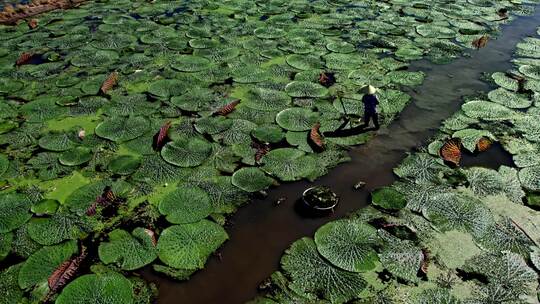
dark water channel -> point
(262, 230)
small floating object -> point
(320, 198)
(359, 185)
(280, 200)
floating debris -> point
(280, 201)
(359, 185)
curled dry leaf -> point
(483, 144)
(64, 273)
(33, 23)
(91, 211)
(451, 151)
(326, 79)
(110, 82)
(152, 235)
(480, 42)
(425, 260)
(223, 111)
(315, 136)
(160, 138)
(262, 150)
(24, 58)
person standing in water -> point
(370, 102)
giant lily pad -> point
(129, 251)
(185, 205)
(124, 164)
(304, 62)
(188, 63)
(402, 259)
(186, 152)
(297, 119)
(42, 263)
(110, 287)
(76, 156)
(122, 129)
(14, 211)
(53, 230)
(406, 78)
(188, 246)
(388, 198)
(509, 99)
(530, 178)
(10, 290)
(313, 275)
(251, 179)
(288, 164)
(305, 89)
(470, 137)
(347, 244)
(486, 110)
(56, 142)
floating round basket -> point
(320, 198)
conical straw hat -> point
(369, 89)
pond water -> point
(262, 230)
(116, 119)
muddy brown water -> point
(261, 231)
